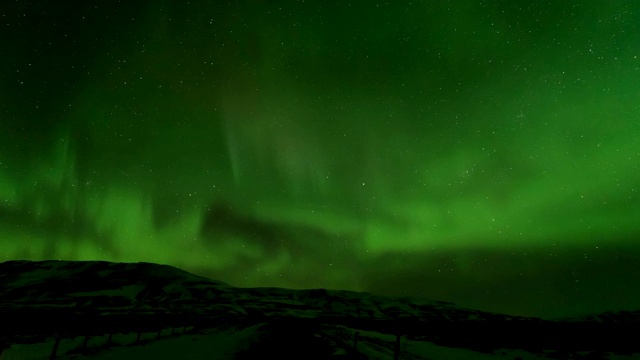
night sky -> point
(481, 152)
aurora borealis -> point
(480, 152)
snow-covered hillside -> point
(128, 287)
(109, 303)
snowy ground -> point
(212, 345)
(377, 346)
(230, 343)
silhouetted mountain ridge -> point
(122, 287)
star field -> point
(481, 152)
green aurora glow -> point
(485, 153)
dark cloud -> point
(314, 256)
(222, 220)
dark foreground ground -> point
(295, 338)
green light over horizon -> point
(482, 153)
